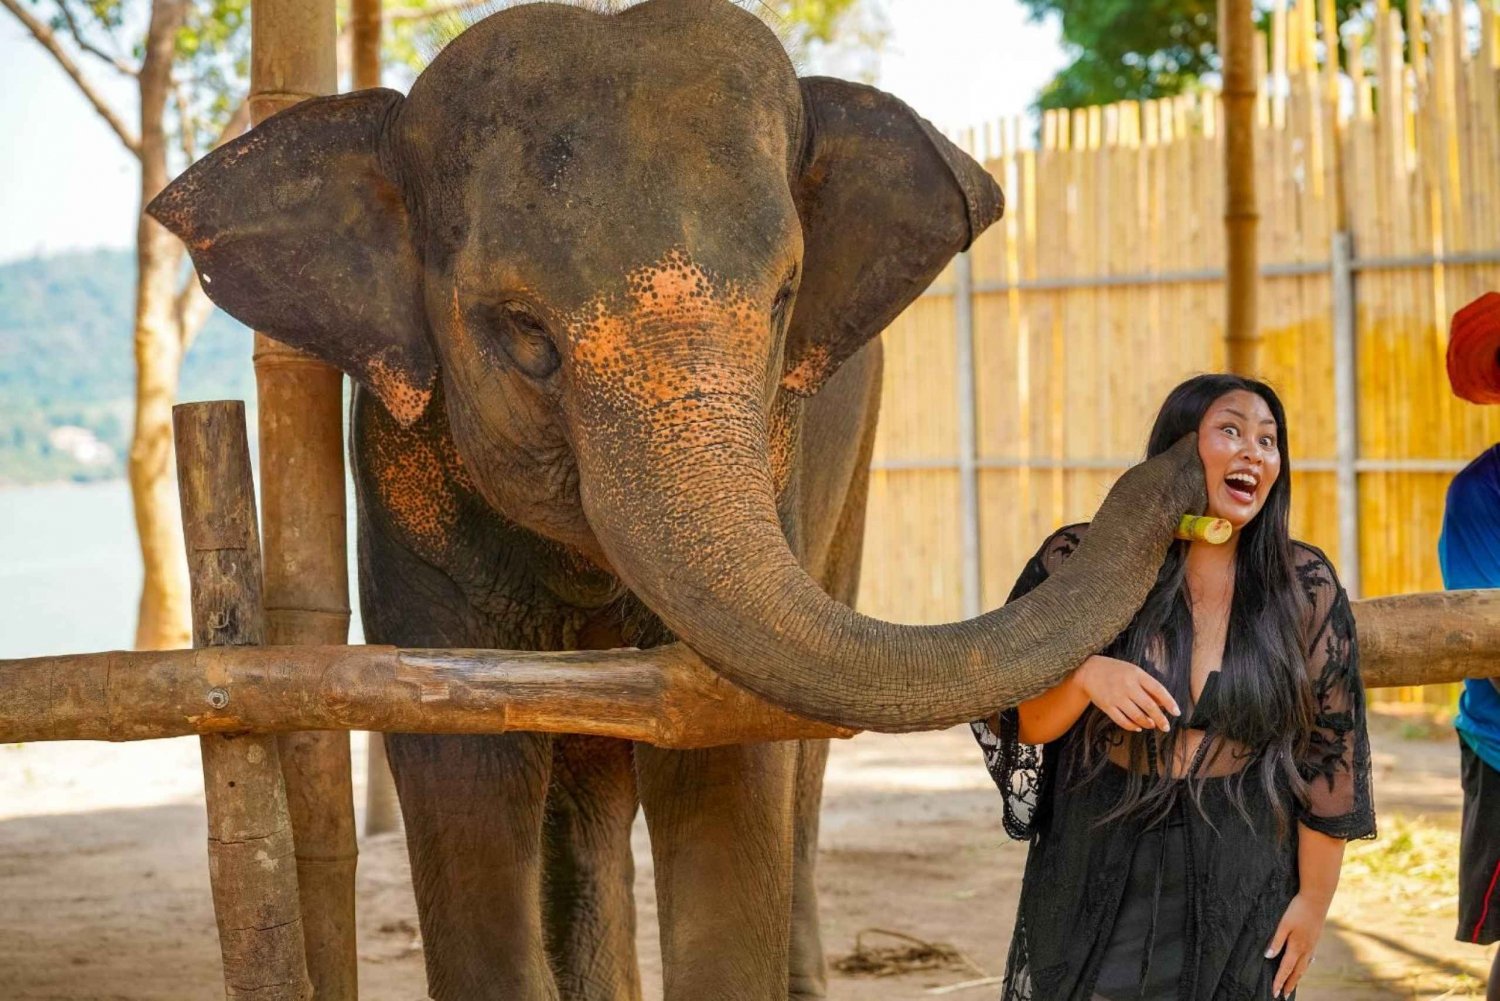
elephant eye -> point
(524, 339)
(779, 308)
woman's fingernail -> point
(1270, 953)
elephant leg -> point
(589, 877)
(473, 808)
(721, 838)
(809, 972)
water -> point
(70, 577)
(70, 572)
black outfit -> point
(1479, 852)
(1181, 906)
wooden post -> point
(292, 58)
(382, 809)
(1236, 43)
(250, 850)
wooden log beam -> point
(1428, 639)
(250, 848)
(666, 696)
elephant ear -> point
(299, 231)
(885, 201)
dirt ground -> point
(104, 887)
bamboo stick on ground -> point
(250, 849)
(664, 696)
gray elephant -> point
(606, 284)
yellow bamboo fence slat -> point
(1103, 287)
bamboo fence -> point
(1028, 375)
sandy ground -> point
(104, 890)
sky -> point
(66, 182)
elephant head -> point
(617, 248)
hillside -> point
(66, 366)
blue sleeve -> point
(1469, 546)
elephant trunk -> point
(678, 489)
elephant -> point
(608, 286)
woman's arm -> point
(1319, 859)
(1049, 715)
(1126, 694)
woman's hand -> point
(1295, 939)
(1126, 694)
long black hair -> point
(1265, 699)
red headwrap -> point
(1474, 350)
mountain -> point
(67, 366)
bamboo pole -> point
(250, 846)
(364, 31)
(1237, 43)
(665, 696)
(292, 58)
(382, 811)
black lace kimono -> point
(1183, 907)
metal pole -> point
(1346, 409)
(968, 452)
(292, 58)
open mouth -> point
(1242, 486)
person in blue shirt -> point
(1469, 555)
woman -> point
(1188, 807)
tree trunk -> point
(163, 617)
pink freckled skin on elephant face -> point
(405, 401)
(676, 330)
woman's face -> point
(1237, 441)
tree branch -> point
(235, 125)
(187, 125)
(77, 33)
(193, 310)
(48, 39)
(193, 305)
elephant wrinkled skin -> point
(605, 284)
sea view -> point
(70, 573)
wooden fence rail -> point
(664, 696)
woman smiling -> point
(1188, 804)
